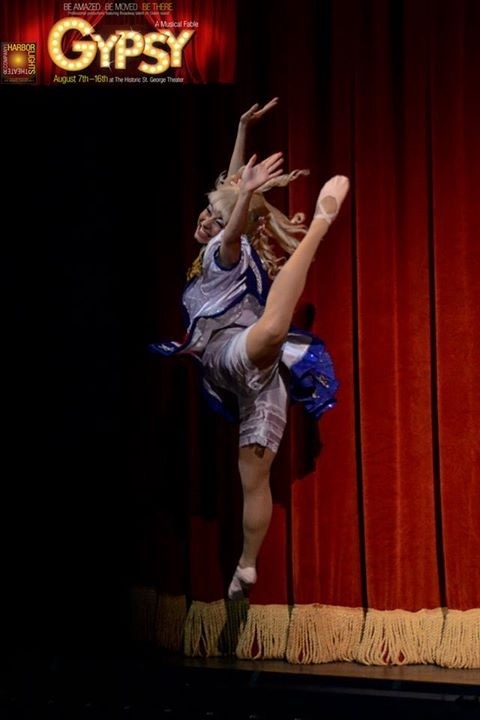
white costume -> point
(220, 305)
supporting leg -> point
(254, 466)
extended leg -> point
(268, 334)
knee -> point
(274, 333)
(254, 464)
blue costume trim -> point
(256, 283)
(312, 380)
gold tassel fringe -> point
(307, 634)
(144, 610)
(460, 644)
(170, 621)
(400, 637)
(324, 633)
(212, 629)
(265, 633)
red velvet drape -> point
(378, 506)
(455, 268)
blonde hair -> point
(265, 222)
(195, 268)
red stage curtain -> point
(455, 270)
(377, 507)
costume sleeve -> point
(212, 267)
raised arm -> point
(249, 118)
(253, 176)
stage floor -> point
(148, 685)
(426, 674)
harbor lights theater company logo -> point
(18, 62)
(75, 43)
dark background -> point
(97, 193)
(101, 190)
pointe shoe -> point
(335, 188)
(242, 581)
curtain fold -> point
(375, 538)
(455, 154)
(373, 551)
(394, 333)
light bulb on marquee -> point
(124, 44)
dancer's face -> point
(209, 224)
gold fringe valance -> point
(158, 619)
(324, 633)
(307, 634)
(213, 629)
(144, 602)
(459, 645)
(170, 619)
(265, 633)
(399, 637)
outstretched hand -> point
(253, 114)
(256, 174)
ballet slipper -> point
(242, 581)
(334, 189)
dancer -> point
(239, 299)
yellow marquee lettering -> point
(176, 45)
(105, 48)
(87, 49)
(124, 43)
